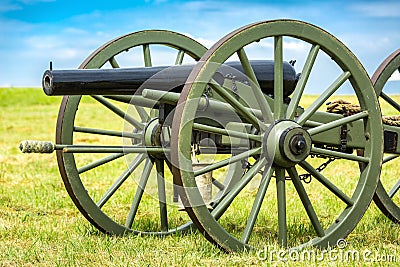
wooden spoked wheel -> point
(302, 184)
(387, 196)
(109, 172)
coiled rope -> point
(345, 108)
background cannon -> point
(108, 205)
(243, 134)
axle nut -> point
(298, 144)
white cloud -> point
(204, 41)
(155, 1)
(63, 48)
(40, 42)
(296, 46)
(10, 28)
(378, 9)
(6, 7)
(11, 5)
(205, 21)
(395, 76)
(32, 2)
(75, 31)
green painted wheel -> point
(387, 196)
(320, 194)
(113, 189)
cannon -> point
(171, 78)
(219, 131)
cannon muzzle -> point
(127, 81)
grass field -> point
(40, 226)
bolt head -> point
(298, 144)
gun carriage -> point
(236, 135)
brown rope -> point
(391, 120)
(341, 106)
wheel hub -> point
(151, 136)
(286, 143)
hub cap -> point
(286, 143)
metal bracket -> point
(234, 86)
(343, 138)
(390, 141)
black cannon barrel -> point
(127, 81)
(120, 81)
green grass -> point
(40, 226)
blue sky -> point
(33, 32)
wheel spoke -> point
(218, 184)
(337, 123)
(99, 162)
(235, 173)
(144, 116)
(306, 201)
(299, 89)
(237, 188)
(113, 62)
(242, 110)
(147, 55)
(328, 184)
(162, 199)
(323, 97)
(204, 104)
(117, 184)
(106, 132)
(390, 101)
(394, 190)
(230, 133)
(119, 112)
(278, 78)
(111, 149)
(281, 198)
(255, 86)
(389, 158)
(338, 154)
(267, 174)
(136, 100)
(179, 57)
(139, 193)
(225, 162)
(311, 124)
